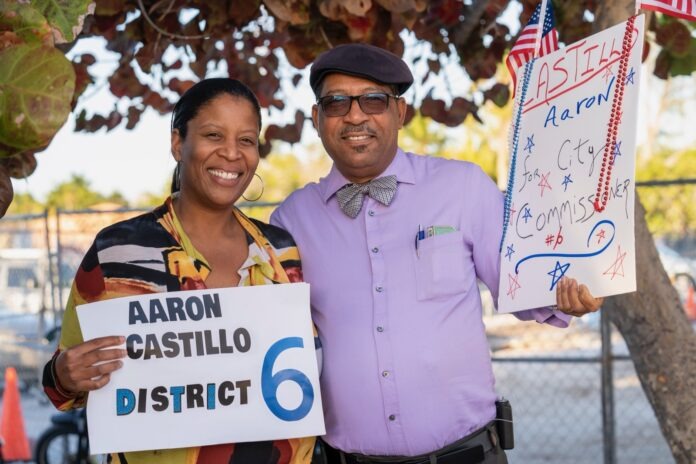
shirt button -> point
(375, 250)
(392, 417)
(385, 373)
(379, 289)
(380, 328)
(371, 213)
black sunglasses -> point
(370, 103)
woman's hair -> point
(199, 95)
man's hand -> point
(6, 191)
(575, 300)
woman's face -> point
(220, 152)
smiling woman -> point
(197, 239)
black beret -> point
(362, 60)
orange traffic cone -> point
(690, 304)
(15, 444)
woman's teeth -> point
(223, 174)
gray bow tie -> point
(350, 197)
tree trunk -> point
(653, 323)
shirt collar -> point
(257, 256)
(400, 167)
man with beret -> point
(6, 191)
(392, 244)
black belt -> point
(468, 450)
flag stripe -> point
(523, 49)
(685, 9)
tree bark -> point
(652, 321)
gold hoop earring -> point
(260, 194)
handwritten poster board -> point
(552, 228)
(206, 367)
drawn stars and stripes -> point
(510, 251)
(513, 286)
(616, 151)
(530, 144)
(558, 272)
(629, 77)
(617, 267)
(566, 180)
(601, 235)
(527, 215)
(608, 74)
(512, 212)
(544, 182)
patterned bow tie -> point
(350, 197)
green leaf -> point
(36, 87)
(65, 16)
(25, 21)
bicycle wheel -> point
(60, 445)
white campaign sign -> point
(553, 228)
(206, 367)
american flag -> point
(523, 50)
(680, 8)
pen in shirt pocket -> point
(419, 236)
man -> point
(6, 191)
(407, 373)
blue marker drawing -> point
(555, 276)
(510, 251)
(629, 77)
(527, 214)
(574, 255)
(530, 144)
(566, 180)
(616, 152)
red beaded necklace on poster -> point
(602, 195)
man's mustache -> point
(364, 128)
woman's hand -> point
(575, 300)
(88, 366)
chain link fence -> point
(557, 380)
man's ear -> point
(176, 145)
(315, 116)
(402, 107)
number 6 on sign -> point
(270, 382)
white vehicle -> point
(23, 280)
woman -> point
(197, 239)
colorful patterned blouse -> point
(151, 254)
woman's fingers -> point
(95, 377)
(88, 366)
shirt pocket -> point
(441, 266)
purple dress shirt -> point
(407, 368)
